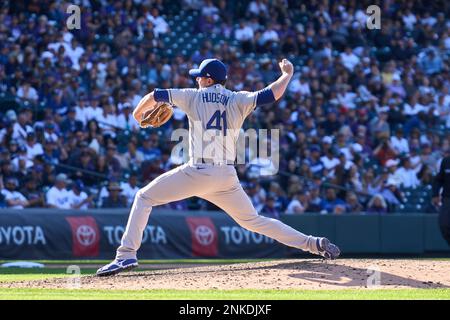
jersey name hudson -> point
(213, 97)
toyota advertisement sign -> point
(90, 235)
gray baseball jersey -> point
(215, 115)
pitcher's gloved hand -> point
(156, 116)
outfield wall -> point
(376, 234)
(95, 234)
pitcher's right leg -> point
(236, 203)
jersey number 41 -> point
(218, 121)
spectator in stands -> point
(13, 198)
(132, 157)
(405, 175)
(269, 209)
(257, 195)
(93, 112)
(150, 148)
(413, 107)
(108, 121)
(392, 166)
(289, 45)
(349, 59)
(379, 127)
(81, 109)
(313, 161)
(114, 199)
(280, 196)
(331, 202)
(430, 62)
(160, 26)
(257, 8)
(20, 161)
(300, 85)
(377, 205)
(34, 196)
(391, 194)
(329, 160)
(384, 151)
(86, 163)
(398, 142)
(130, 188)
(110, 164)
(78, 198)
(58, 196)
(27, 93)
(352, 203)
(425, 176)
(34, 148)
(53, 154)
(204, 53)
(331, 125)
(210, 11)
(151, 169)
(125, 119)
(22, 126)
(244, 34)
(314, 200)
(74, 51)
(70, 124)
(268, 37)
(6, 133)
(50, 133)
(371, 183)
(295, 206)
(6, 169)
(428, 157)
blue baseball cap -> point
(210, 68)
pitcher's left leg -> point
(236, 203)
(176, 184)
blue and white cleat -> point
(327, 249)
(118, 265)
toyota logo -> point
(204, 235)
(86, 235)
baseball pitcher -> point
(216, 113)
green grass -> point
(23, 274)
(144, 261)
(195, 261)
(18, 274)
(350, 294)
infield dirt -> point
(279, 274)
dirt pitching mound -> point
(279, 274)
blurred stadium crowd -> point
(363, 126)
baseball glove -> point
(156, 116)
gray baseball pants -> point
(218, 184)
